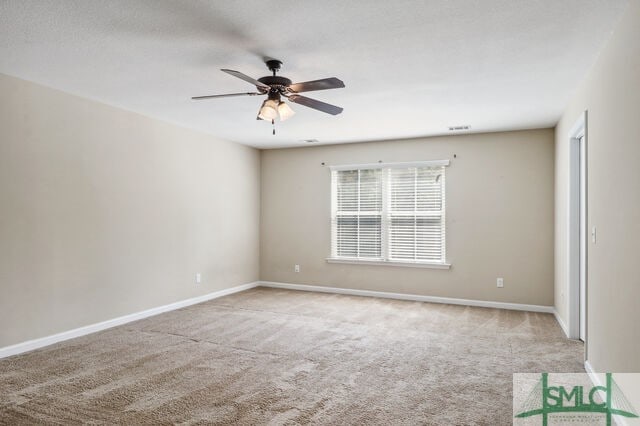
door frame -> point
(577, 229)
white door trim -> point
(583, 239)
(577, 203)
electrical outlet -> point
(500, 283)
(198, 278)
(296, 268)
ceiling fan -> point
(278, 87)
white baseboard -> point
(92, 328)
(563, 325)
(414, 297)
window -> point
(391, 213)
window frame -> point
(384, 231)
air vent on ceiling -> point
(458, 128)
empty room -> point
(320, 212)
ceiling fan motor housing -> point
(276, 83)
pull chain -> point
(273, 123)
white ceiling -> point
(411, 68)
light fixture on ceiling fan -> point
(277, 87)
(274, 107)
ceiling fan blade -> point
(246, 78)
(227, 95)
(315, 104)
(324, 84)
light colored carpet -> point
(268, 356)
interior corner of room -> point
(112, 213)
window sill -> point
(389, 263)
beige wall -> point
(499, 211)
(611, 94)
(104, 212)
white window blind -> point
(389, 213)
(415, 214)
(357, 218)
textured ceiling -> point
(411, 68)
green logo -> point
(544, 400)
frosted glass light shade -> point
(285, 111)
(269, 110)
